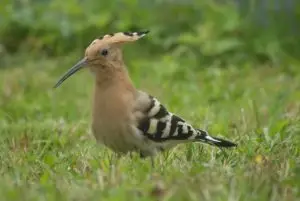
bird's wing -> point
(160, 125)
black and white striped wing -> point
(160, 125)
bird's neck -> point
(113, 84)
(114, 93)
(113, 77)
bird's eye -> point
(104, 52)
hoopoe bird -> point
(124, 118)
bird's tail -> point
(203, 136)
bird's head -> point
(103, 54)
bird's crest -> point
(121, 37)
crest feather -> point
(122, 37)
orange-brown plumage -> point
(113, 102)
(126, 119)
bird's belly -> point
(124, 137)
(118, 138)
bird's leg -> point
(115, 158)
(143, 156)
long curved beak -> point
(71, 71)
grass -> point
(48, 153)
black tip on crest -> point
(137, 33)
(140, 33)
(128, 33)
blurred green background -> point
(231, 67)
(216, 31)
